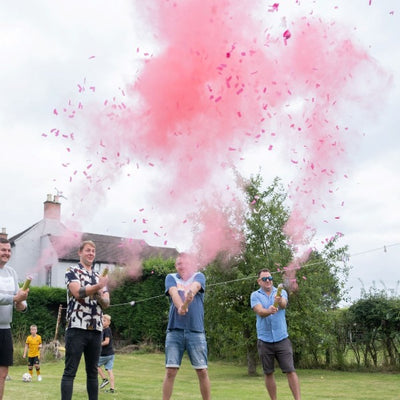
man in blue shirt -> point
(185, 329)
(273, 339)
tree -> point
(230, 322)
(310, 315)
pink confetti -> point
(91, 57)
(274, 7)
(55, 112)
(286, 36)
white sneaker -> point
(39, 378)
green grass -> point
(140, 376)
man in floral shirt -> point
(87, 295)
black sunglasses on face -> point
(267, 278)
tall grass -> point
(140, 376)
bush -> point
(43, 305)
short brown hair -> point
(85, 242)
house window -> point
(48, 269)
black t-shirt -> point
(108, 349)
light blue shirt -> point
(273, 328)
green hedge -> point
(43, 304)
(145, 321)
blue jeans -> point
(78, 341)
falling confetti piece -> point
(286, 35)
(274, 7)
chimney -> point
(3, 234)
(52, 207)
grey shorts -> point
(282, 351)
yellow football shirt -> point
(33, 343)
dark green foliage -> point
(146, 321)
(43, 305)
(374, 328)
(310, 314)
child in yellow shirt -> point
(33, 344)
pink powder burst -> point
(215, 82)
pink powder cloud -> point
(218, 80)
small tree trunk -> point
(251, 362)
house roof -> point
(15, 237)
(111, 249)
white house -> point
(45, 249)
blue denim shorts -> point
(179, 340)
(107, 361)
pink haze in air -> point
(217, 86)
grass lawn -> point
(140, 376)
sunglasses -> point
(267, 278)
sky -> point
(89, 89)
